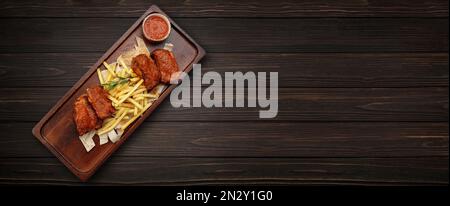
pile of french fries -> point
(128, 96)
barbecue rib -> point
(145, 68)
(98, 98)
(84, 115)
(165, 60)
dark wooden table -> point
(363, 92)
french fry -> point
(120, 61)
(117, 89)
(137, 92)
(108, 67)
(112, 120)
(146, 95)
(128, 108)
(113, 125)
(100, 77)
(109, 77)
(131, 92)
(124, 126)
(127, 105)
(114, 100)
(113, 66)
(123, 92)
(124, 73)
(134, 79)
(106, 121)
(118, 113)
(136, 104)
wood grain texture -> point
(255, 35)
(56, 129)
(227, 8)
(363, 92)
(241, 171)
(295, 104)
(259, 139)
(294, 70)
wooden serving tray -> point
(56, 130)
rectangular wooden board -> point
(56, 130)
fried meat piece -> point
(165, 60)
(84, 115)
(146, 69)
(102, 105)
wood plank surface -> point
(255, 35)
(294, 70)
(227, 8)
(259, 139)
(363, 92)
(242, 171)
(294, 104)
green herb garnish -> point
(110, 85)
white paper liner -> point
(158, 89)
(119, 130)
(139, 48)
(118, 68)
(103, 139)
(87, 140)
(113, 136)
(168, 46)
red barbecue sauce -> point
(156, 28)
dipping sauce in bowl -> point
(156, 27)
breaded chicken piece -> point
(165, 60)
(146, 69)
(99, 100)
(84, 115)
